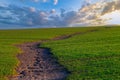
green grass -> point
(90, 56)
(8, 38)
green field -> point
(88, 56)
(8, 38)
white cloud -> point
(32, 9)
(53, 11)
(91, 14)
(113, 17)
(55, 2)
(30, 16)
(43, 14)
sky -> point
(58, 13)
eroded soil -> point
(38, 64)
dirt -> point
(37, 63)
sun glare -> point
(112, 18)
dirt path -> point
(38, 64)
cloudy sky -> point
(58, 13)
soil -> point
(37, 63)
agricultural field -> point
(92, 55)
(8, 39)
(59, 40)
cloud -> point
(32, 9)
(62, 12)
(111, 6)
(87, 15)
(53, 11)
(23, 16)
(91, 14)
(55, 2)
(30, 16)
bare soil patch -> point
(38, 64)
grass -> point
(8, 38)
(90, 56)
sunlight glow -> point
(113, 18)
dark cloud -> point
(108, 8)
(24, 16)
(117, 6)
(70, 17)
(30, 16)
(111, 6)
(62, 12)
(53, 11)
